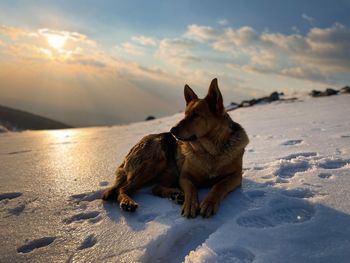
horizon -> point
(89, 64)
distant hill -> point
(14, 120)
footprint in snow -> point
(324, 175)
(35, 244)
(17, 152)
(287, 169)
(258, 168)
(298, 193)
(292, 212)
(299, 155)
(88, 242)
(17, 210)
(89, 196)
(235, 255)
(93, 217)
(11, 195)
(333, 163)
(292, 142)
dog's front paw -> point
(128, 205)
(209, 207)
(178, 197)
(190, 209)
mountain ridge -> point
(15, 119)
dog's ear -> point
(214, 98)
(189, 94)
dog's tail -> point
(113, 192)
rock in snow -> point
(294, 205)
(3, 129)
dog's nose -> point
(174, 131)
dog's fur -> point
(207, 152)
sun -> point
(56, 41)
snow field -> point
(293, 205)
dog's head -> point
(201, 115)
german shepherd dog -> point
(205, 149)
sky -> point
(90, 63)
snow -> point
(293, 205)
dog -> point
(205, 149)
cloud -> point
(201, 33)
(316, 55)
(139, 46)
(223, 22)
(87, 62)
(295, 29)
(72, 38)
(336, 34)
(177, 51)
(330, 47)
(244, 38)
(15, 32)
(145, 41)
(132, 49)
(35, 46)
(308, 18)
(305, 73)
(82, 52)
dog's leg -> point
(112, 192)
(134, 182)
(191, 205)
(210, 204)
(167, 187)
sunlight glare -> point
(56, 41)
(60, 136)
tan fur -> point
(208, 153)
(145, 162)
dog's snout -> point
(174, 131)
